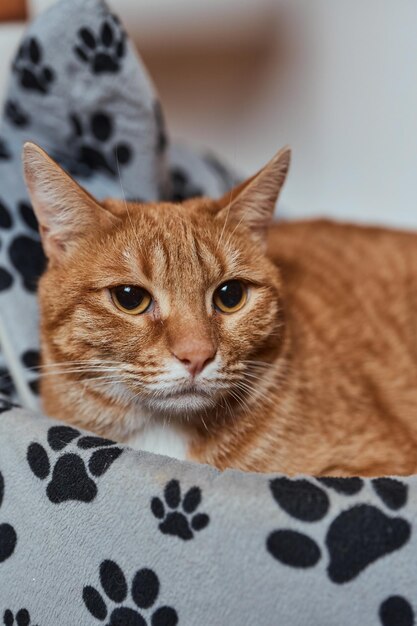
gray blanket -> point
(92, 532)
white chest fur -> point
(163, 439)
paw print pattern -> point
(144, 592)
(27, 215)
(31, 360)
(5, 154)
(8, 537)
(27, 257)
(6, 382)
(6, 279)
(355, 539)
(182, 188)
(396, 611)
(28, 65)
(15, 114)
(6, 405)
(70, 478)
(180, 521)
(6, 221)
(93, 145)
(22, 618)
(161, 136)
(103, 52)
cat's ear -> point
(65, 211)
(253, 202)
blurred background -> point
(335, 80)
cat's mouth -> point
(189, 397)
(180, 403)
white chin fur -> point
(184, 403)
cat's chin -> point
(181, 404)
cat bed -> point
(92, 532)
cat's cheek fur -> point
(248, 332)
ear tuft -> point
(65, 211)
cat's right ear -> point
(65, 211)
(252, 203)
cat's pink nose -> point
(195, 355)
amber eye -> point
(130, 299)
(230, 296)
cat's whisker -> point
(253, 369)
(238, 399)
(94, 380)
(259, 374)
(229, 408)
(121, 377)
(104, 361)
(77, 371)
(126, 203)
(229, 204)
(80, 364)
(227, 243)
(256, 362)
(258, 393)
(89, 363)
(204, 423)
(248, 387)
(254, 378)
(86, 367)
(225, 222)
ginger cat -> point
(203, 331)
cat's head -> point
(174, 306)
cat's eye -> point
(230, 297)
(131, 299)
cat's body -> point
(345, 403)
(316, 372)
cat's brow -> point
(121, 277)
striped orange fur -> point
(316, 373)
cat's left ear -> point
(65, 211)
(252, 203)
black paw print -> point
(6, 382)
(28, 66)
(8, 537)
(161, 132)
(182, 188)
(103, 51)
(15, 114)
(355, 538)
(6, 405)
(5, 154)
(396, 611)
(144, 592)
(6, 279)
(95, 151)
(27, 257)
(6, 220)
(179, 522)
(22, 618)
(70, 479)
(31, 360)
(27, 215)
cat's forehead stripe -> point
(168, 250)
(176, 255)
